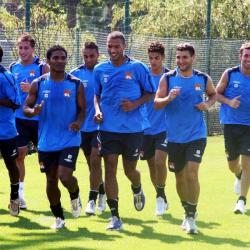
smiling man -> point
(122, 85)
(181, 91)
(25, 70)
(59, 100)
(233, 91)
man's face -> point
(245, 59)
(90, 57)
(156, 60)
(184, 60)
(58, 61)
(25, 51)
(115, 48)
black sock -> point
(57, 210)
(243, 198)
(239, 175)
(93, 195)
(160, 192)
(14, 191)
(184, 205)
(101, 188)
(113, 205)
(75, 194)
(136, 190)
(191, 210)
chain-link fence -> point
(213, 56)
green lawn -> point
(219, 228)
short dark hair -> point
(25, 37)
(244, 46)
(156, 47)
(1, 53)
(53, 49)
(186, 47)
(90, 45)
(117, 35)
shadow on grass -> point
(38, 239)
(148, 232)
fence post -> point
(27, 15)
(208, 57)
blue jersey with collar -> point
(26, 73)
(185, 122)
(58, 112)
(157, 118)
(86, 76)
(8, 90)
(238, 85)
(115, 84)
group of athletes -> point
(120, 107)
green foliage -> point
(187, 18)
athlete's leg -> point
(152, 170)
(160, 166)
(245, 177)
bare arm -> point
(29, 107)
(81, 109)
(162, 97)
(8, 103)
(128, 105)
(46, 69)
(221, 86)
(210, 91)
(98, 114)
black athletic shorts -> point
(237, 140)
(8, 148)
(27, 131)
(126, 144)
(66, 157)
(180, 153)
(152, 143)
(89, 141)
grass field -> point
(219, 227)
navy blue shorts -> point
(66, 157)
(126, 144)
(27, 131)
(152, 143)
(8, 148)
(237, 140)
(180, 153)
(89, 141)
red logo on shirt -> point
(197, 86)
(67, 93)
(128, 75)
(32, 72)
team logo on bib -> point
(85, 83)
(197, 87)
(32, 73)
(128, 75)
(236, 84)
(67, 93)
(46, 93)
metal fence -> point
(213, 56)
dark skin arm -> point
(98, 114)
(29, 107)
(8, 103)
(81, 110)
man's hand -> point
(74, 126)
(127, 105)
(38, 108)
(25, 86)
(202, 106)
(98, 117)
(174, 93)
(234, 103)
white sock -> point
(21, 189)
